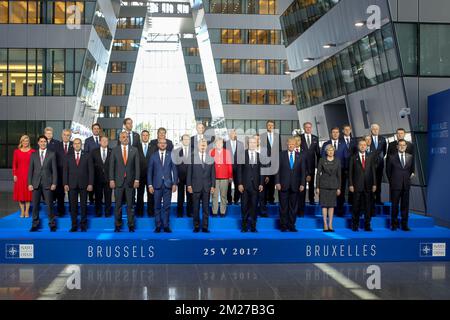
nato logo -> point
(19, 251)
(432, 250)
(426, 249)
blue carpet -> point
(225, 243)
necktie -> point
(203, 159)
(291, 160)
(375, 142)
(185, 152)
(233, 146)
(335, 145)
(403, 160)
(42, 158)
(270, 139)
(364, 162)
(162, 158)
(104, 156)
(124, 154)
(347, 143)
(96, 141)
(145, 149)
(308, 140)
(252, 158)
(65, 148)
(77, 160)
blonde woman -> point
(328, 185)
(20, 165)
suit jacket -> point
(101, 170)
(341, 153)
(47, 174)
(158, 174)
(392, 149)
(351, 149)
(312, 154)
(362, 179)
(123, 174)
(250, 175)
(52, 145)
(239, 155)
(78, 176)
(199, 177)
(194, 142)
(144, 160)
(90, 144)
(136, 139)
(154, 145)
(380, 151)
(399, 177)
(291, 179)
(182, 168)
(264, 141)
(60, 155)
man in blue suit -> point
(341, 152)
(162, 179)
(379, 147)
(93, 142)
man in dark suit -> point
(351, 147)
(341, 153)
(124, 175)
(201, 134)
(42, 180)
(51, 143)
(93, 142)
(400, 169)
(289, 181)
(270, 142)
(237, 151)
(362, 183)
(201, 181)
(62, 150)
(393, 150)
(162, 178)
(145, 153)
(379, 146)
(250, 183)
(101, 158)
(133, 137)
(78, 179)
(311, 151)
(184, 160)
(161, 134)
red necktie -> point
(78, 159)
(364, 162)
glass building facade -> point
(252, 66)
(241, 6)
(368, 62)
(301, 15)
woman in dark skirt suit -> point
(328, 185)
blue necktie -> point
(145, 150)
(291, 160)
(270, 139)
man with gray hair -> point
(379, 147)
(62, 150)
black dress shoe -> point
(222, 215)
(98, 215)
(189, 215)
(131, 229)
(117, 229)
(167, 230)
(284, 230)
(253, 230)
(205, 230)
(293, 229)
(406, 228)
(264, 215)
(394, 228)
(83, 229)
(355, 229)
(107, 215)
(151, 215)
(196, 230)
(179, 215)
(73, 229)
(243, 230)
(52, 229)
(368, 229)
(330, 230)
(326, 230)
(34, 229)
(157, 230)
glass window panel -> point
(407, 42)
(70, 60)
(3, 11)
(79, 58)
(17, 59)
(58, 84)
(3, 59)
(60, 12)
(69, 85)
(89, 11)
(18, 12)
(434, 50)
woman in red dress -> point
(21, 163)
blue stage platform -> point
(225, 243)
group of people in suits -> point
(205, 167)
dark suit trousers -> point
(269, 190)
(288, 208)
(362, 201)
(48, 196)
(180, 198)
(249, 202)
(400, 197)
(102, 190)
(119, 193)
(341, 198)
(301, 203)
(202, 196)
(143, 188)
(236, 195)
(162, 210)
(73, 198)
(311, 191)
(379, 177)
(59, 195)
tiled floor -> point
(194, 282)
